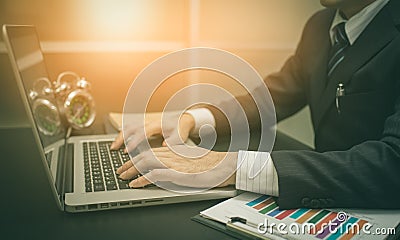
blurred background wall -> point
(110, 41)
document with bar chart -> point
(263, 218)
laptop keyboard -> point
(100, 164)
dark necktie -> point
(338, 50)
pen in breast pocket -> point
(340, 92)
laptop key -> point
(111, 186)
(98, 181)
(97, 175)
(98, 187)
(123, 186)
(88, 187)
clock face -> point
(79, 109)
(47, 117)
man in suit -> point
(347, 69)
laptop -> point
(80, 169)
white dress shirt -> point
(356, 24)
(266, 179)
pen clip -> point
(340, 92)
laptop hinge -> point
(65, 169)
(59, 177)
(69, 169)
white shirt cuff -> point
(202, 117)
(256, 173)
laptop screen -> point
(29, 60)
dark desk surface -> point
(29, 211)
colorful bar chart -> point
(327, 224)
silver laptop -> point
(81, 170)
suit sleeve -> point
(365, 176)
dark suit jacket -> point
(357, 157)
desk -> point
(28, 210)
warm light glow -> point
(115, 17)
(132, 20)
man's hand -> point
(215, 169)
(153, 126)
